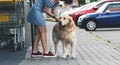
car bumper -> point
(80, 24)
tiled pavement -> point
(90, 51)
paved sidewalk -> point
(109, 35)
(90, 51)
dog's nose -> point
(60, 23)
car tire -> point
(90, 25)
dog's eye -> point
(64, 18)
(60, 17)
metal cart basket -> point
(12, 19)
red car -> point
(89, 9)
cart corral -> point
(12, 24)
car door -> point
(111, 16)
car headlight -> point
(80, 19)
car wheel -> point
(90, 25)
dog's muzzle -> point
(61, 26)
(60, 23)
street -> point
(94, 48)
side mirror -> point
(95, 8)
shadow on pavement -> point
(8, 57)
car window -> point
(99, 5)
(102, 8)
(113, 7)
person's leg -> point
(42, 30)
(36, 42)
(35, 51)
(43, 37)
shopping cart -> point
(12, 20)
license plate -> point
(4, 17)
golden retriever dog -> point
(65, 31)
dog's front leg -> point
(55, 48)
(64, 50)
(56, 41)
(73, 49)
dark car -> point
(107, 15)
(90, 9)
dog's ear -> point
(70, 19)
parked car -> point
(90, 9)
(107, 15)
(83, 7)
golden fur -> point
(64, 31)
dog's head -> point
(65, 20)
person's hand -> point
(57, 18)
(54, 1)
(57, 0)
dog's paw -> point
(64, 56)
(73, 56)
